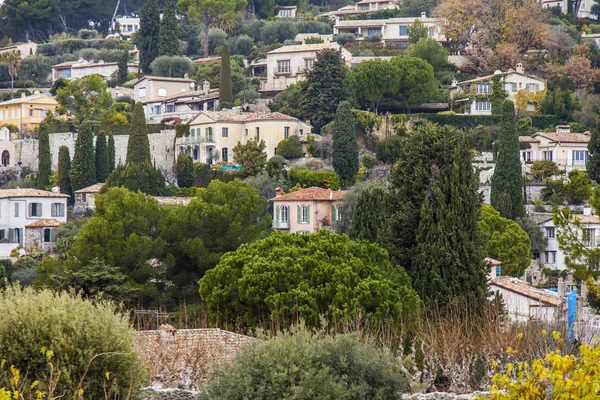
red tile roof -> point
(312, 193)
(523, 288)
(44, 223)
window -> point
(550, 257)
(431, 32)
(305, 214)
(208, 134)
(196, 153)
(526, 156)
(17, 210)
(225, 132)
(551, 233)
(335, 213)
(510, 87)
(43, 113)
(403, 30)
(547, 155)
(84, 198)
(193, 133)
(531, 107)
(224, 154)
(35, 209)
(156, 110)
(58, 210)
(580, 157)
(533, 87)
(246, 132)
(169, 108)
(588, 237)
(31, 112)
(498, 271)
(14, 235)
(374, 31)
(308, 63)
(483, 105)
(363, 7)
(284, 215)
(142, 92)
(483, 88)
(162, 92)
(286, 132)
(49, 235)
(283, 67)
(257, 134)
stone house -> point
(85, 199)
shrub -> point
(75, 330)
(87, 34)
(315, 365)
(369, 161)
(374, 38)
(470, 121)
(290, 148)
(243, 45)
(345, 38)
(308, 178)
(175, 67)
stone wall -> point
(533, 192)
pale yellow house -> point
(307, 210)
(26, 112)
(214, 134)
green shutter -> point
(332, 213)
(308, 214)
(276, 222)
(299, 212)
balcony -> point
(277, 72)
(281, 225)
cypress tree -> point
(138, 147)
(168, 41)
(225, 86)
(102, 168)
(83, 167)
(44, 160)
(123, 68)
(506, 195)
(111, 153)
(345, 146)
(593, 164)
(451, 271)
(185, 170)
(64, 166)
(498, 95)
(147, 36)
(368, 216)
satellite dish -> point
(192, 85)
(497, 72)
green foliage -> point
(44, 160)
(288, 101)
(83, 168)
(251, 156)
(138, 147)
(369, 216)
(211, 72)
(417, 83)
(372, 80)
(70, 332)
(388, 150)
(102, 167)
(345, 145)
(462, 121)
(185, 170)
(111, 153)
(543, 169)
(593, 164)
(64, 167)
(301, 364)
(347, 204)
(243, 45)
(168, 40)
(308, 178)
(171, 66)
(417, 32)
(562, 103)
(84, 98)
(435, 54)
(225, 85)
(576, 190)
(137, 177)
(506, 194)
(345, 38)
(275, 167)
(324, 88)
(147, 37)
(290, 148)
(498, 94)
(538, 239)
(248, 286)
(504, 240)
(123, 68)
(368, 161)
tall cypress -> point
(506, 195)
(369, 215)
(168, 40)
(111, 153)
(451, 271)
(225, 86)
(64, 166)
(146, 37)
(185, 171)
(83, 167)
(44, 160)
(102, 168)
(593, 164)
(138, 147)
(123, 68)
(345, 145)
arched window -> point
(193, 133)
(304, 213)
(5, 158)
(284, 215)
(224, 154)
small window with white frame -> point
(483, 88)
(58, 210)
(142, 92)
(35, 209)
(304, 214)
(162, 92)
(309, 63)
(551, 233)
(531, 107)
(284, 67)
(483, 105)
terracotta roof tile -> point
(528, 139)
(7, 193)
(564, 137)
(96, 188)
(523, 288)
(44, 223)
(233, 116)
(312, 193)
(304, 47)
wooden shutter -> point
(276, 223)
(299, 214)
(333, 214)
(308, 214)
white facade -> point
(157, 87)
(185, 106)
(81, 68)
(286, 11)
(362, 7)
(128, 25)
(24, 49)
(567, 150)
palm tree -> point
(13, 60)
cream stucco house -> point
(155, 87)
(214, 134)
(567, 150)
(362, 7)
(26, 112)
(81, 68)
(307, 210)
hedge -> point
(61, 127)
(309, 178)
(182, 130)
(470, 121)
(18, 84)
(70, 46)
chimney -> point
(520, 68)
(561, 287)
(587, 209)
(186, 76)
(423, 14)
(563, 129)
(23, 95)
(205, 87)
(278, 192)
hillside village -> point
(265, 199)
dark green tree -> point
(506, 194)
(168, 38)
(146, 38)
(64, 167)
(324, 88)
(498, 94)
(185, 170)
(449, 257)
(369, 214)
(123, 68)
(102, 167)
(593, 164)
(251, 156)
(111, 153)
(138, 147)
(83, 168)
(44, 160)
(417, 31)
(225, 90)
(345, 145)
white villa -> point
(362, 7)
(81, 68)
(567, 150)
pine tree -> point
(345, 146)
(138, 147)
(506, 195)
(44, 160)
(83, 167)
(123, 68)
(185, 170)
(64, 166)
(225, 86)
(111, 153)
(102, 167)
(146, 37)
(593, 164)
(451, 271)
(168, 41)
(368, 216)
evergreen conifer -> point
(138, 147)
(369, 215)
(102, 167)
(185, 170)
(506, 192)
(123, 68)
(345, 145)
(111, 153)
(83, 167)
(147, 35)
(593, 164)
(225, 85)
(44, 160)
(64, 166)
(168, 41)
